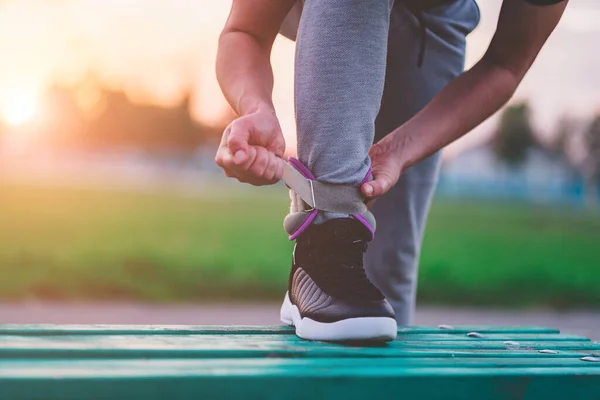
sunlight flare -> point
(19, 108)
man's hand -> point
(387, 164)
(252, 149)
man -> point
(366, 70)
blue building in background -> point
(543, 177)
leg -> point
(340, 69)
(392, 259)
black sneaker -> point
(329, 295)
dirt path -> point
(585, 323)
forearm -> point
(461, 106)
(244, 72)
(522, 30)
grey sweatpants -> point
(357, 79)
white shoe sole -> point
(381, 329)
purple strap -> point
(313, 213)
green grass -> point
(93, 244)
(511, 254)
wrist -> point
(403, 148)
(253, 106)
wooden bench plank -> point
(75, 368)
(477, 328)
(240, 353)
(272, 342)
(247, 351)
(532, 384)
(450, 336)
(111, 362)
(490, 345)
(188, 341)
(49, 329)
(238, 346)
(182, 338)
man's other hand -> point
(386, 164)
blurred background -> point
(112, 210)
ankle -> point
(313, 201)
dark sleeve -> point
(544, 2)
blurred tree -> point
(514, 136)
(92, 118)
(65, 123)
(565, 130)
(592, 161)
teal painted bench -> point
(50, 362)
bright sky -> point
(156, 49)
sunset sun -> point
(19, 109)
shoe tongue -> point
(342, 230)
